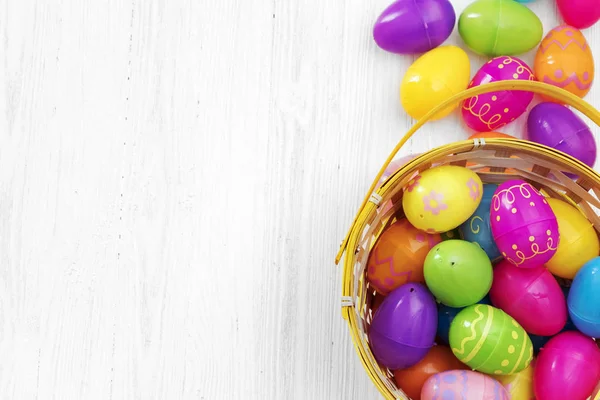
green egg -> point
(499, 27)
(490, 341)
(458, 273)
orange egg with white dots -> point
(564, 59)
(398, 256)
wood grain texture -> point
(175, 180)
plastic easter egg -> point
(531, 296)
(439, 359)
(433, 78)
(394, 166)
(403, 328)
(519, 386)
(579, 13)
(564, 59)
(584, 299)
(477, 228)
(463, 385)
(411, 27)
(568, 364)
(440, 199)
(458, 273)
(491, 111)
(499, 27)
(556, 126)
(446, 315)
(578, 240)
(490, 341)
(398, 256)
(539, 341)
(523, 225)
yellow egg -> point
(519, 385)
(433, 78)
(442, 198)
(578, 240)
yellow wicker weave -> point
(542, 166)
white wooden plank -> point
(175, 180)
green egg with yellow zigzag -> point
(490, 341)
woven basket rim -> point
(588, 180)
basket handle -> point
(554, 92)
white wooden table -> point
(175, 180)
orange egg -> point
(438, 359)
(564, 59)
(398, 256)
(489, 135)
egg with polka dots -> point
(564, 59)
(490, 341)
(523, 224)
(491, 111)
(462, 384)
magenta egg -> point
(462, 385)
(491, 111)
(523, 225)
(532, 296)
(404, 326)
(568, 363)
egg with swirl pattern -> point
(491, 111)
(564, 59)
(490, 341)
(477, 228)
(524, 226)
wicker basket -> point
(495, 160)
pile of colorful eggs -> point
(476, 279)
(500, 29)
(485, 291)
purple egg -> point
(523, 225)
(404, 326)
(556, 126)
(414, 26)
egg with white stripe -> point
(490, 341)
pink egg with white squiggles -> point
(463, 385)
(523, 224)
(491, 111)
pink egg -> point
(532, 296)
(523, 225)
(491, 111)
(462, 385)
(568, 364)
(394, 166)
